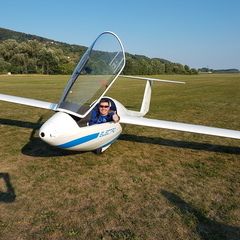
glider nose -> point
(58, 126)
(46, 133)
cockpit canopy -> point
(94, 74)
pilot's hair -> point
(105, 100)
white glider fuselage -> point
(62, 131)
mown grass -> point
(151, 183)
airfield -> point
(150, 184)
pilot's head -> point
(104, 106)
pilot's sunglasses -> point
(103, 106)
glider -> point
(97, 70)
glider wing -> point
(152, 79)
(180, 126)
(28, 102)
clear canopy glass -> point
(94, 74)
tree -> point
(48, 61)
(186, 68)
(7, 49)
(4, 66)
(19, 63)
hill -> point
(26, 53)
(6, 34)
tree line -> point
(142, 65)
(33, 56)
(49, 57)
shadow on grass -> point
(18, 123)
(181, 144)
(36, 147)
(9, 195)
(205, 227)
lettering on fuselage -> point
(107, 132)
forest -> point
(22, 53)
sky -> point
(199, 33)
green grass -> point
(151, 183)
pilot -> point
(103, 114)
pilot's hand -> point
(115, 117)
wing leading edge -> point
(28, 102)
(221, 132)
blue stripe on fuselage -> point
(79, 141)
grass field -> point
(150, 184)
